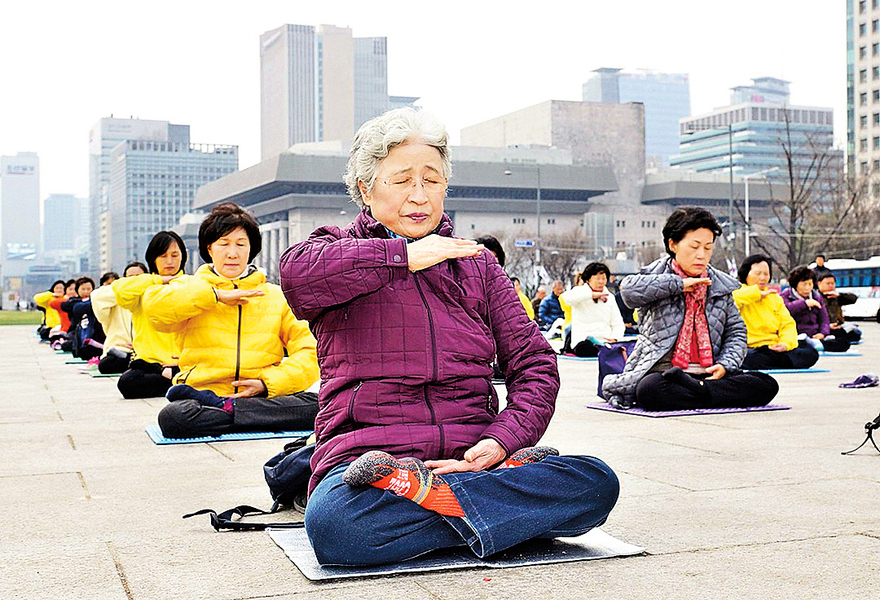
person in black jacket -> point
(834, 300)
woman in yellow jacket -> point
(773, 337)
(116, 322)
(154, 356)
(51, 318)
(234, 331)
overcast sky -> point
(67, 64)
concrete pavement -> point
(756, 505)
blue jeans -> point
(558, 497)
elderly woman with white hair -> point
(412, 453)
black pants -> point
(657, 391)
(188, 418)
(144, 380)
(763, 358)
(836, 342)
(586, 349)
(113, 362)
(853, 336)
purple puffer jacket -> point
(406, 358)
(809, 320)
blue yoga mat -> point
(97, 373)
(156, 435)
(585, 359)
(840, 354)
(75, 361)
(657, 414)
(777, 371)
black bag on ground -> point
(287, 475)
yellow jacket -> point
(149, 344)
(52, 316)
(527, 304)
(115, 320)
(221, 344)
(767, 319)
(566, 312)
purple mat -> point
(683, 413)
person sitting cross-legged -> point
(834, 303)
(234, 331)
(691, 337)
(773, 336)
(595, 318)
(408, 317)
(807, 307)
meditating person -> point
(807, 307)
(154, 353)
(834, 303)
(86, 334)
(772, 333)
(524, 300)
(595, 318)
(410, 442)
(691, 337)
(116, 321)
(245, 361)
(51, 318)
(550, 310)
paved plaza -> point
(758, 505)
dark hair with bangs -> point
(137, 264)
(594, 269)
(224, 219)
(799, 274)
(749, 262)
(159, 245)
(82, 281)
(688, 218)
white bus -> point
(862, 278)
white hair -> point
(379, 135)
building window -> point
(863, 52)
(863, 29)
(876, 142)
(863, 146)
(863, 121)
(875, 26)
(863, 99)
(876, 96)
(864, 167)
(875, 4)
(876, 118)
(876, 165)
(877, 189)
(862, 6)
(863, 76)
(551, 221)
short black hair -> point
(159, 245)
(688, 218)
(82, 281)
(594, 269)
(799, 274)
(823, 275)
(54, 283)
(109, 275)
(492, 243)
(137, 264)
(749, 262)
(516, 279)
(822, 256)
(224, 219)
(69, 283)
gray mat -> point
(592, 545)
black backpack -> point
(287, 475)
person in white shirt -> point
(595, 318)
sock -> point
(407, 477)
(528, 455)
(203, 397)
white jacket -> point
(115, 319)
(598, 319)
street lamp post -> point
(746, 178)
(538, 215)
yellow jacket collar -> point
(251, 278)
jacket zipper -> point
(237, 345)
(351, 402)
(436, 367)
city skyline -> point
(469, 63)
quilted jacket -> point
(809, 320)
(657, 292)
(406, 357)
(149, 343)
(220, 344)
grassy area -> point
(18, 317)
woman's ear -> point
(365, 193)
(673, 246)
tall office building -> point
(863, 89)
(666, 97)
(151, 186)
(19, 217)
(747, 137)
(65, 224)
(318, 84)
(106, 134)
